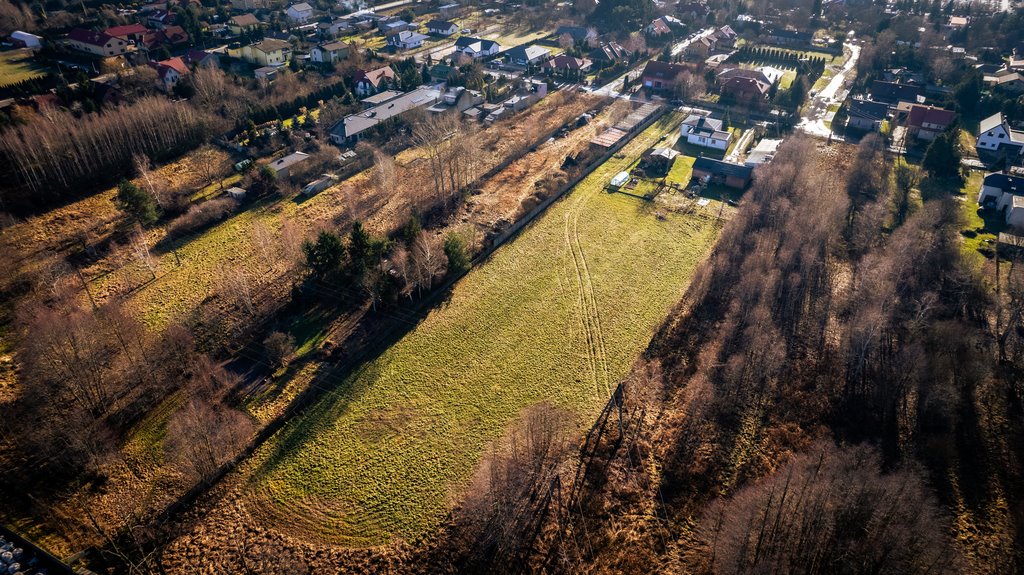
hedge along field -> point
(559, 314)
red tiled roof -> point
(89, 37)
(920, 115)
(127, 30)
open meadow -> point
(557, 315)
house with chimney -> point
(96, 43)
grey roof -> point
(527, 52)
(992, 122)
(355, 124)
(288, 161)
(439, 25)
(867, 109)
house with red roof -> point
(925, 122)
(169, 72)
(96, 43)
(373, 81)
(131, 32)
(662, 75)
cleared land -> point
(18, 66)
(558, 315)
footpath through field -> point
(557, 315)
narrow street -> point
(817, 111)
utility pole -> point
(85, 285)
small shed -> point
(319, 185)
(282, 167)
(619, 180)
(659, 160)
(236, 193)
(720, 172)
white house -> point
(1004, 193)
(476, 47)
(996, 135)
(706, 132)
(442, 27)
(301, 12)
(406, 40)
(169, 73)
(329, 52)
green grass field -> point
(17, 66)
(557, 315)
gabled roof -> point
(288, 161)
(528, 52)
(564, 61)
(333, 46)
(658, 26)
(664, 70)
(610, 51)
(89, 37)
(761, 75)
(375, 77)
(746, 85)
(578, 33)
(164, 67)
(126, 30)
(699, 121)
(439, 25)
(301, 7)
(196, 56)
(920, 115)
(867, 109)
(475, 44)
(245, 20)
(268, 45)
(992, 122)
(1005, 182)
(891, 92)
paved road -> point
(813, 121)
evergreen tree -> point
(137, 203)
(942, 159)
(325, 255)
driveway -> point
(817, 113)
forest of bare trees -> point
(57, 157)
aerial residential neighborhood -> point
(610, 287)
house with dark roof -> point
(527, 55)
(1004, 193)
(442, 28)
(96, 43)
(564, 64)
(282, 166)
(892, 93)
(659, 75)
(721, 172)
(476, 47)
(577, 33)
(608, 53)
(866, 115)
(787, 37)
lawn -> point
(17, 66)
(682, 170)
(557, 315)
(981, 228)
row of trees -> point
(56, 157)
